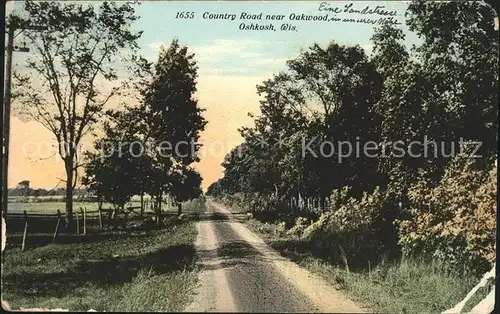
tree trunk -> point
(69, 192)
(179, 208)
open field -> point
(51, 207)
(126, 270)
(60, 198)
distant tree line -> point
(36, 192)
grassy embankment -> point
(151, 270)
(407, 286)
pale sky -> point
(231, 63)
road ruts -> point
(240, 273)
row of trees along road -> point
(142, 144)
(445, 88)
(61, 86)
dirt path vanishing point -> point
(240, 273)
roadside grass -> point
(128, 270)
(406, 286)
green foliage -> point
(323, 96)
(300, 226)
(185, 184)
(116, 170)
(434, 90)
(173, 122)
(454, 221)
(174, 114)
(357, 229)
(281, 229)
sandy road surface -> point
(243, 274)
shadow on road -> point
(217, 216)
(214, 217)
(230, 254)
(232, 249)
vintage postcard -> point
(250, 156)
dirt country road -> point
(240, 273)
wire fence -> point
(82, 220)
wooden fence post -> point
(57, 226)
(157, 215)
(84, 220)
(25, 234)
(142, 204)
(77, 223)
(100, 218)
(115, 217)
(126, 219)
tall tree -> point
(443, 90)
(399, 105)
(77, 51)
(173, 117)
(460, 55)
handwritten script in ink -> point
(374, 14)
